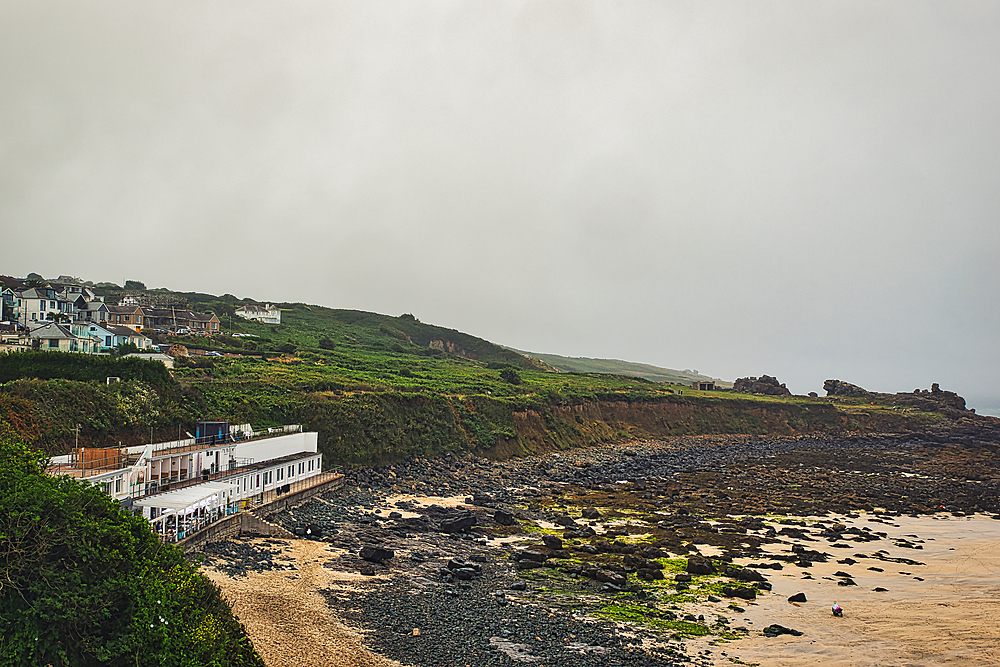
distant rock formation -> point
(841, 388)
(765, 384)
(935, 400)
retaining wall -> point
(250, 522)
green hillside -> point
(618, 367)
(379, 388)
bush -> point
(510, 375)
(86, 583)
(81, 367)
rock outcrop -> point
(765, 384)
(846, 389)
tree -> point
(326, 343)
(135, 285)
(57, 317)
(87, 583)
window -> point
(107, 341)
(41, 305)
(53, 342)
(52, 305)
(302, 468)
(280, 475)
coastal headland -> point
(712, 550)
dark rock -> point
(368, 570)
(504, 518)
(610, 577)
(591, 513)
(700, 565)
(649, 574)
(552, 542)
(460, 524)
(775, 630)
(375, 554)
(482, 499)
(742, 592)
(798, 597)
(519, 585)
(530, 554)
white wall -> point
(272, 448)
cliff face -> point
(565, 426)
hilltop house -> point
(268, 314)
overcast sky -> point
(804, 189)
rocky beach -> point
(701, 550)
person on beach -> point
(838, 610)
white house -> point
(38, 304)
(58, 337)
(268, 314)
(109, 336)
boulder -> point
(459, 524)
(742, 592)
(649, 574)
(591, 513)
(700, 565)
(375, 554)
(504, 518)
(610, 577)
(774, 630)
(552, 542)
(798, 597)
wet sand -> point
(952, 617)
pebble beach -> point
(646, 553)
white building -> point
(182, 485)
(268, 314)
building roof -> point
(119, 330)
(123, 310)
(188, 497)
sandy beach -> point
(949, 618)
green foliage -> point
(510, 375)
(86, 583)
(81, 367)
